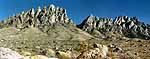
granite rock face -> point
(123, 25)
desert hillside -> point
(46, 33)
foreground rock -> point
(63, 55)
(98, 52)
(6, 53)
(37, 57)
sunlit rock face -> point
(48, 16)
(124, 25)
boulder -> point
(63, 55)
(6, 53)
(50, 53)
(98, 52)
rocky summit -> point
(125, 26)
(48, 33)
(48, 16)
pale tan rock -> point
(63, 55)
(35, 57)
(50, 53)
(25, 53)
(98, 52)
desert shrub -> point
(83, 46)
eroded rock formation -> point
(48, 16)
(125, 26)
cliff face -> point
(123, 25)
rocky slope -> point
(123, 25)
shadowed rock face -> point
(126, 26)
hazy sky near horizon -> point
(78, 10)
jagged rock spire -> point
(52, 6)
(32, 12)
(38, 11)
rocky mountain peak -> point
(93, 22)
(39, 17)
(124, 25)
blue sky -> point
(78, 10)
